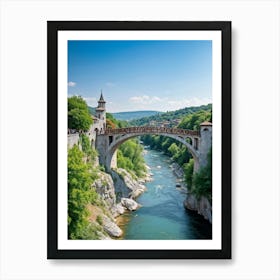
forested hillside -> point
(171, 116)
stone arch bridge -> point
(198, 142)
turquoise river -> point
(162, 215)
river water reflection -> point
(162, 215)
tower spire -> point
(101, 97)
(101, 113)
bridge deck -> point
(151, 129)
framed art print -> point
(139, 140)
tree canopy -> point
(80, 193)
(79, 117)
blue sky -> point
(141, 75)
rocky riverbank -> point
(116, 193)
(179, 172)
(200, 205)
(126, 185)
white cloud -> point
(71, 84)
(147, 102)
(146, 99)
(188, 102)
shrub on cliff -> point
(188, 170)
(87, 149)
(130, 157)
(202, 181)
(80, 193)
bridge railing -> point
(151, 129)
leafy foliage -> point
(80, 193)
(173, 149)
(99, 219)
(202, 181)
(188, 170)
(130, 157)
(193, 121)
(79, 117)
(178, 114)
(111, 121)
(178, 152)
(86, 147)
(110, 124)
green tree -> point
(188, 170)
(77, 102)
(129, 157)
(80, 193)
(78, 114)
(173, 149)
(202, 181)
(193, 121)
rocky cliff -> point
(102, 213)
(201, 205)
(109, 205)
(126, 185)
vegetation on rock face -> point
(188, 171)
(130, 157)
(80, 193)
(79, 117)
(202, 181)
(86, 147)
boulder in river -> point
(117, 210)
(129, 204)
(111, 228)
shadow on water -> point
(156, 210)
(200, 227)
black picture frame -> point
(53, 27)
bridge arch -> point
(113, 138)
(116, 143)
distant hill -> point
(91, 110)
(129, 116)
(170, 116)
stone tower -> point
(101, 113)
(205, 142)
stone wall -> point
(73, 139)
